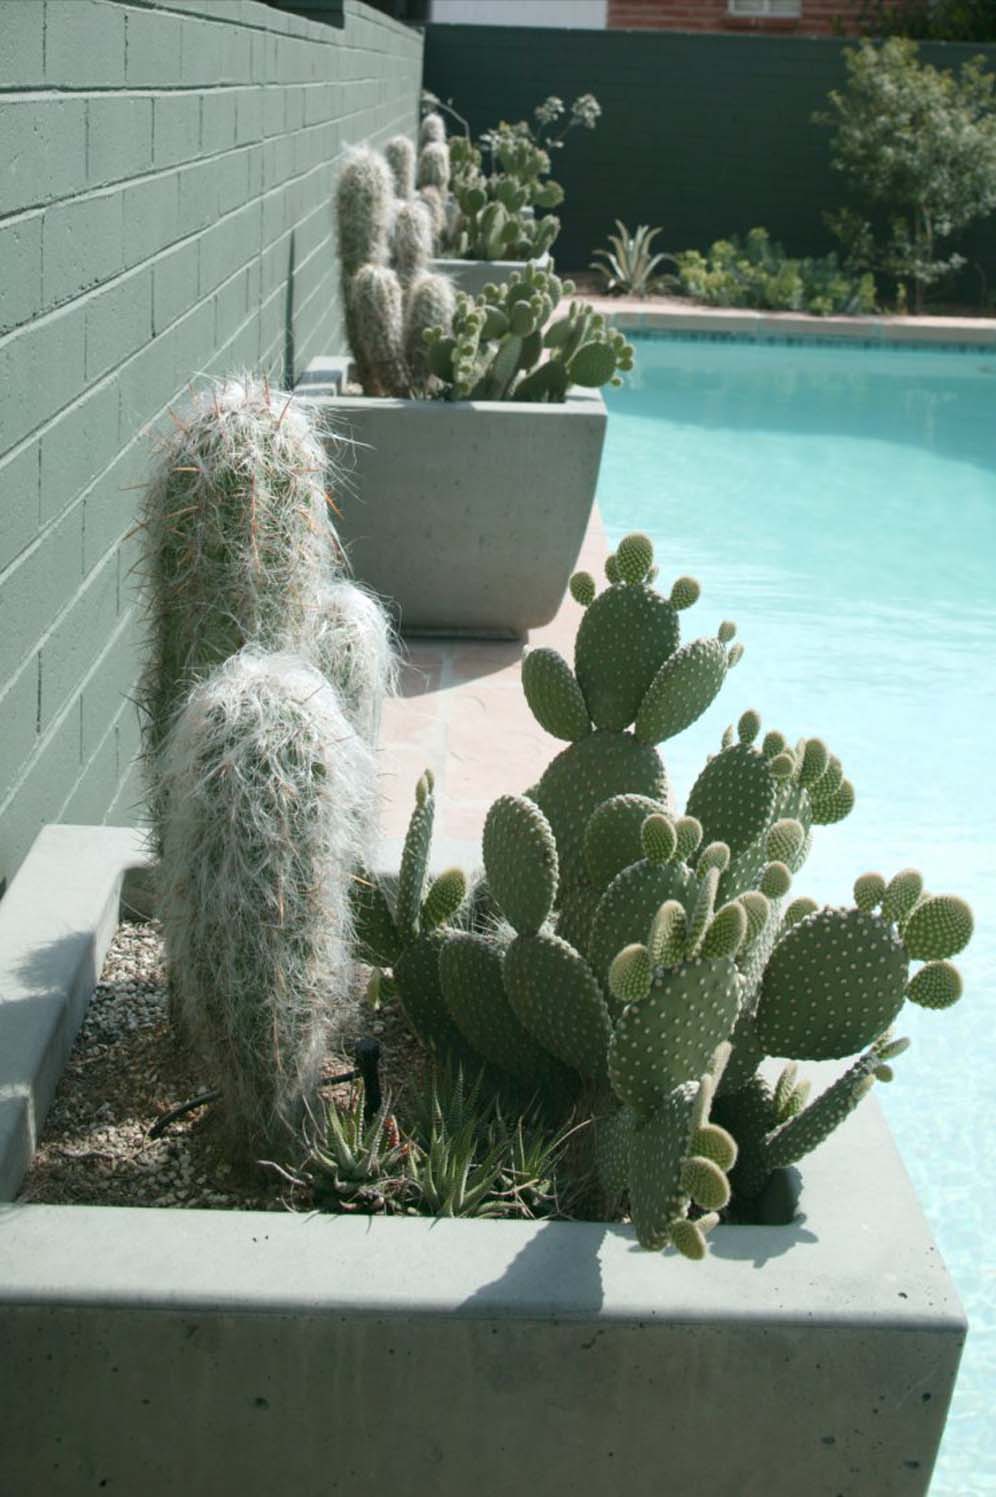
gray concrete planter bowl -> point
(212, 1353)
(468, 515)
(473, 275)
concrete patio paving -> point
(460, 711)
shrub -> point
(919, 146)
(756, 272)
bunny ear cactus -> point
(643, 964)
(500, 346)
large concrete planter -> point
(468, 515)
(473, 275)
(215, 1353)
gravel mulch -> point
(127, 1068)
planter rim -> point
(859, 1251)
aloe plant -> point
(629, 265)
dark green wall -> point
(166, 174)
(704, 135)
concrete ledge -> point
(56, 922)
(241, 1353)
(677, 316)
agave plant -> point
(629, 266)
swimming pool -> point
(839, 503)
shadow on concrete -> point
(555, 1272)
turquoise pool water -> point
(839, 503)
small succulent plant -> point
(629, 264)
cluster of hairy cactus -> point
(492, 215)
(261, 695)
(639, 965)
(387, 232)
(502, 344)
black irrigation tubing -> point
(367, 1054)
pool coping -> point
(673, 315)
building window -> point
(785, 8)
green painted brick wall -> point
(166, 172)
(703, 135)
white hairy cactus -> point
(271, 790)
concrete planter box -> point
(215, 1353)
(473, 275)
(469, 515)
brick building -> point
(775, 17)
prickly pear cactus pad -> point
(555, 994)
(583, 776)
(833, 982)
(665, 1039)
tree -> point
(928, 20)
(919, 146)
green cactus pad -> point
(749, 725)
(776, 880)
(689, 834)
(799, 909)
(582, 586)
(833, 982)
(415, 860)
(612, 838)
(704, 1182)
(684, 686)
(829, 809)
(612, 1140)
(416, 973)
(624, 638)
(685, 592)
(713, 1142)
(792, 1140)
(668, 935)
(445, 895)
(585, 774)
(937, 985)
(726, 933)
(714, 855)
(628, 906)
(815, 759)
(657, 1145)
(869, 891)
(376, 938)
(658, 838)
(734, 797)
(556, 996)
(784, 841)
(470, 974)
(757, 908)
(668, 1038)
(630, 974)
(553, 695)
(634, 557)
(901, 895)
(520, 859)
(592, 366)
(577, 911)
(748, 1112)
(940, 926)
